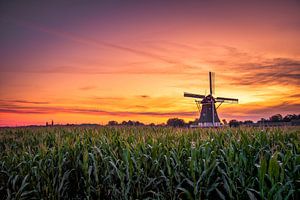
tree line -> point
(277, 118)
(177, 122)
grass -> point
(149, 163)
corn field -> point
(149, 163)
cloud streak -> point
(89, 111)
(24, 102)
(89, 87)
(279, 70)
(144, 96)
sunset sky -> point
(91, 62)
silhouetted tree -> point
(191, 123)
(176, 122)
(112, 123)
(276, 118)
(248, 122)
(224, 122)
(132, 123)
(137, 123)
(262, 120)
(234, 123)
(289, 118)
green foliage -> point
(149, 163)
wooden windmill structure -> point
(206, 105)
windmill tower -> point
(206, 105)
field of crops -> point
(149, 163)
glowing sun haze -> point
(91, 62)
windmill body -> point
(207, 105)
(208, 112)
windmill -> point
(206, 104)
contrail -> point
(92, 42)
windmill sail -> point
(212, 83)
(226, 100)
(199, 96)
